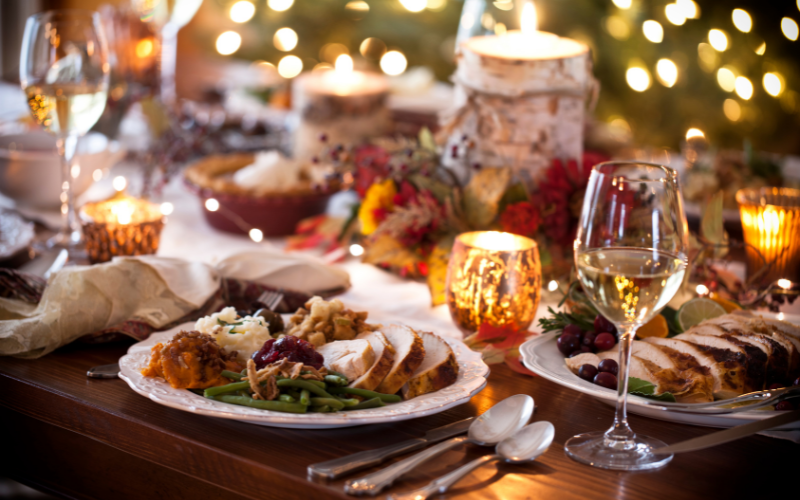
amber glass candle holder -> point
(493, 278)
(771, 224)
(121, 225)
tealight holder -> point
(121, 226)
(493, 278)
(771, 225)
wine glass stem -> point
(620, 435)
(70, 229)
(169, 59)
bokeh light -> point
(167, 208)
(695, 133)
(144, 48)
(119, 183)
(638, 79)
(742, 20)
(744, 88)
(256, 235)
(762, 48)
(667, 72)
(773, 84)
(622, 4)
(242, 11)
(372, 48)
(212, 205)
(290, 66)
(617, 27)
(675, 14)
(732, 110)
(653, 31)
(435, 5)
(718, 39)
(356, 250)
(789, 28)
(393, 63)
(726, 79)
(285, 39)
(280, 5)
(228, 43)
(688, 8)
(414, 5)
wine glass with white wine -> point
(631, 256)
(64, 71)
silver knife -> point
(357, 461)
(728, 435)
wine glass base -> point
(592, 449)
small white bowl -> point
(30, 169)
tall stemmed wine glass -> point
(631, 256)
(64, 72)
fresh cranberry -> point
(574, 330)
(604, 341)
(289, 347)
(602, 325)
(588, 339)
(784, 406)
(568, 343)
(575, 353)
(608, 366)
(586, 348)
(605, 379)
(587, 372)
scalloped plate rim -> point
(462, 391)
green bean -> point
(230, 374)
(304, 384)
(264, 405)
(322, 409)
(348, 402)
(286, 398)
(336, 380)
(386, 398)
(305, 397)
(222, 389)
(243, 393)
(331, 372)
(293, 393)
(318, 383)
(332, 402)
(370, 403)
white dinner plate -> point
(471, 380)
(541, 355)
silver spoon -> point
(497, 423)
(526, 445)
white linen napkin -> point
(80, 300)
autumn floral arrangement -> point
(412, 207)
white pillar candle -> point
(521, 97)
(346, 105)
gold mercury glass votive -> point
(493, 278)
(121, 225)
(771, 224)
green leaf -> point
(646, 389)
(426, 140)
(482, 196)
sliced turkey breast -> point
(747, 331)
(751, 359)
(409, 351)
(586, 358)
(351, 358)
(787, 334)
(725, 367)
(384, 359)
(438, 370)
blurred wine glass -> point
(64, 71)
(167, 17)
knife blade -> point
(728, 435)
(338, 467)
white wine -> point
(628, 285)
(64, 109)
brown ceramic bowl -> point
(275, 214)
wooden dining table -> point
(77, 437)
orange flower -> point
(377, 203)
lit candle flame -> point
(344, 65)
(528, 20)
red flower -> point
(521, 218)
(406, 195)
(371, 165)
(562, 192)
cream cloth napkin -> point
(84, 299)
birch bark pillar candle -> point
(521, 98)
(345, 105)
